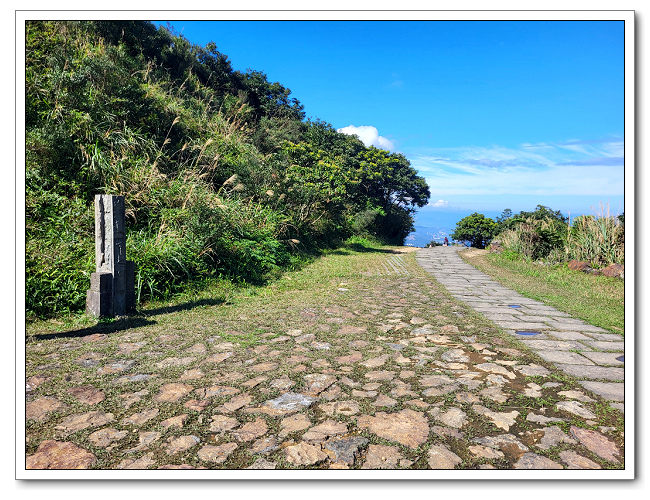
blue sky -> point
(494, 114)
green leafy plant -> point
(475, 230)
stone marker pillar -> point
(112, 287)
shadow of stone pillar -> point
(111, 290)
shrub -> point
(598, 239)
(364, 223)
(534, 238)
(59, 254)
(395, 226)
(475, 230)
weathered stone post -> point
(112, 290)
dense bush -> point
(599, 240)
(475, 230)
(222, 175)
(534, 238)
(547, 235)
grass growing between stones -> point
(378, 335)
(598, 300)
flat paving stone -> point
(534, 461)
(570, 336)
(77, 422)
(216, 454)
(344, 450)
(604, 358)
(287, 403)
(440, 457)
(575, 461)
(593, 372)
(181, 444)
(597, 443)
(60, 455)
(105, 437)
(559, 333)
(576, 408)
(407, 427)
(609, 337)
(87, 394)
(544, 345)
(382, 457)
(564, 357)
(614, 391)
(42, 408)
(251, 430)
(606, 346)
(172, 392)
(304, 454)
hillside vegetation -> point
(223, 175)
(547, 235)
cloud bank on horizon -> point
(575, 167)
(369, 135)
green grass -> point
(300, 278)
(598, 300)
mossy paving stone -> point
(42, 408)
(391, 373)
(60, 455)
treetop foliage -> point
(475, 230)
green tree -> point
(543, 213)
(387, 180)
(312, 187)
(221, 172)
(475, 230)
(505, 220)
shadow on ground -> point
(186, 306)
(357, 247)
(101, 327)
(134, 321)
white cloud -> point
(439, 204)
(369, 135)
(571, 168)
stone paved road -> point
(375, 368)
(587, 352)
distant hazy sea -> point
(436, 225)
(423, 235)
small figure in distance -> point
(446, 242)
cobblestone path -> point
(552, 334)
(376, 367)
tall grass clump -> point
(59, 255)
(534, 239)
(598, 239)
